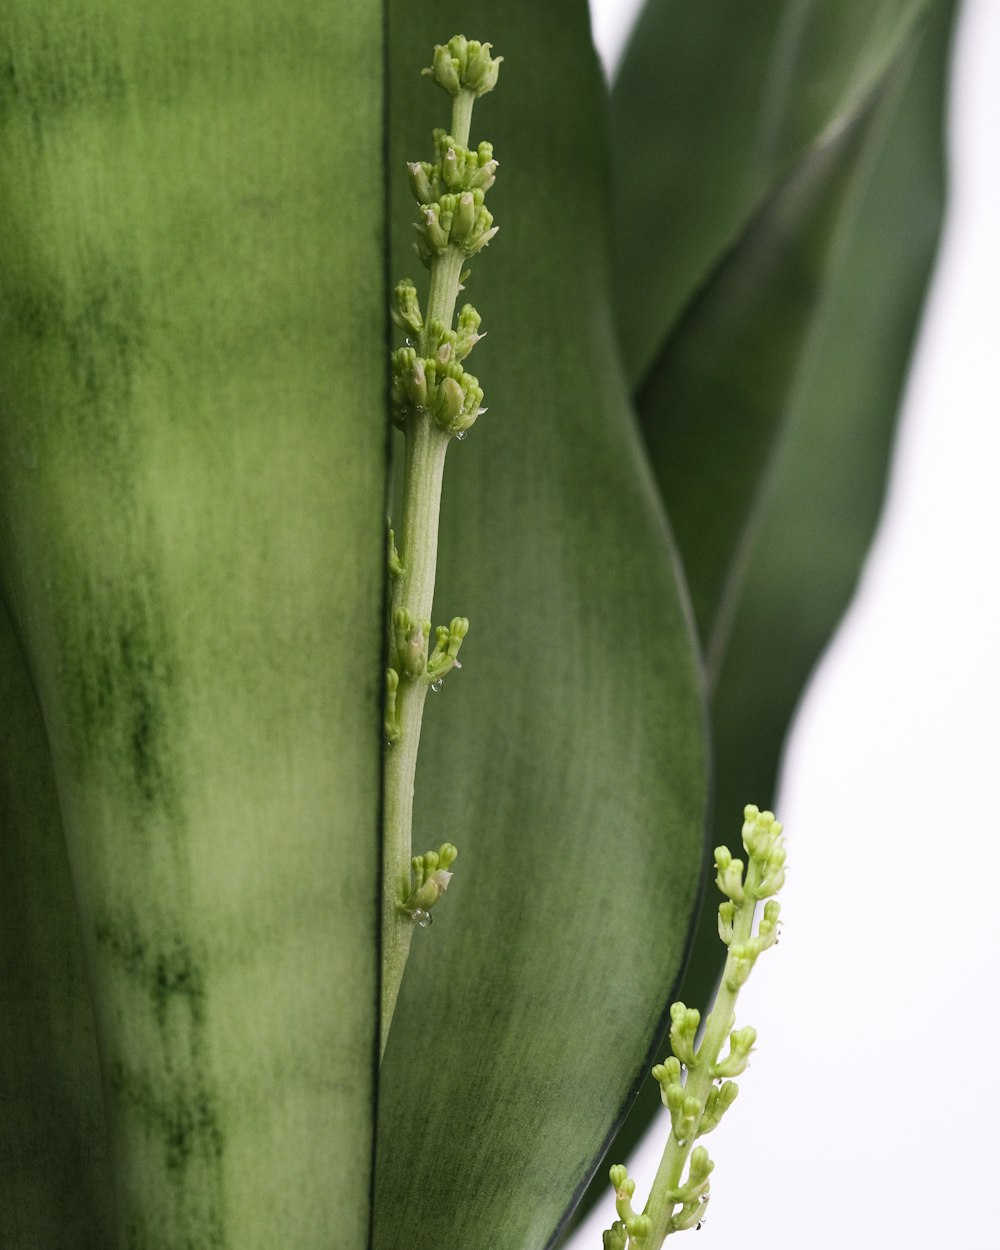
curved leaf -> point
(829, 479)
(568, 762)
(191, 485)
(713, 405)
(55, 1183)
(712, 106)
(824, 476)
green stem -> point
(660, 1207)
(461, 117)
(426, 446)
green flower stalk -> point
(434, 399)
(695, 1080)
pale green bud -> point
(480, 70)
(720, 1099)
(426, 895)
(422, 181)
(464, 218)
(485, 176)
(696, 1185)
(435, 230)
(615, 1237)
(448, 404)
(481, 233)
(411, 643)
(464, 65)
(639, 1226)
(767, 929)
(445, 69)
(685, 1116)
(446, 648)
(738, 968)
(407, 314)
(451, 169)
(729, 877)
(740, 1045)
(727, 914)
(684, 1023)
(467, 331)
(618, 1174)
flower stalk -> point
(695, 1080)
(434, 399)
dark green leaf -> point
(55, 1182)
(823, 478)
(567, 760)
(192, 487)
(714, 103)
(713, 404)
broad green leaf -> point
(714, 103)
(567, 760)
(55, 1183)
(823, 477)
(191, 490)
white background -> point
(870, 1113)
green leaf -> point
(567, 760)
(829, 479)
(55, 1183)
(714, 403)
(192, 492)
(819, 470)
(713, 105)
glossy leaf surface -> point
(191, 484)
(567, 760)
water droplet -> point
(436, 685)
(697, 1227)
(682, 1142)
(461, 434)
(409, 342)
(388, 744)
(422, 918)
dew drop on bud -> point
(422, 918)
(461, 434)
(436, 685)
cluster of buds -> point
(744, 885)
(409, 642)
(440, 388)
(429, 878)
(410, 658)
(464, 65)
(456, 169)
(695, 1080)
(630, 1225)
(693, 1195)
(434, 382)
(462, 221)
